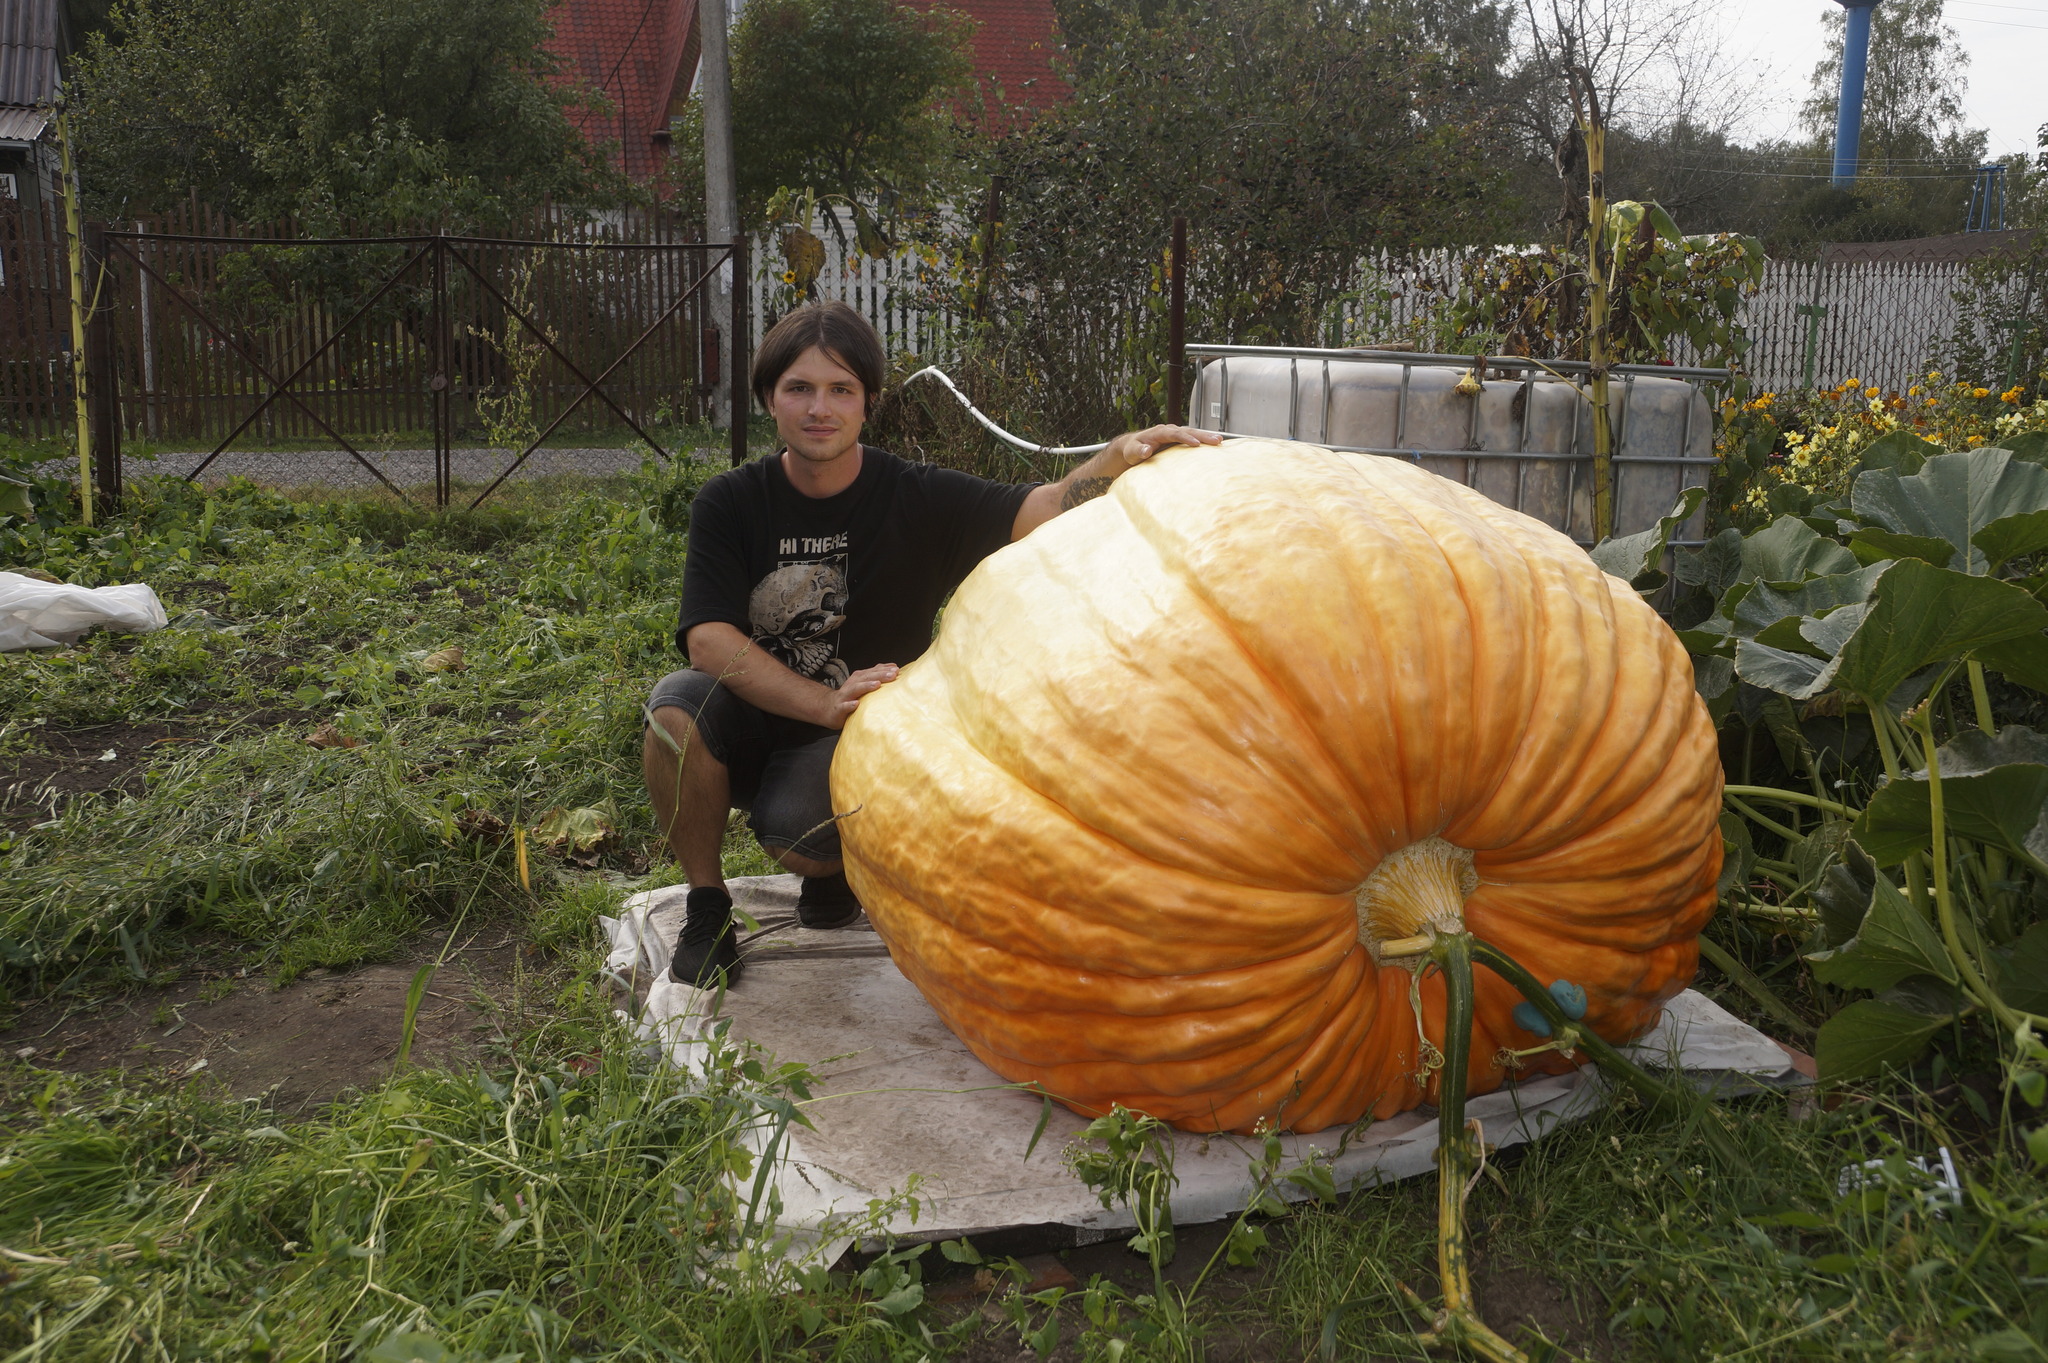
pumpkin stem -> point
(1419, 890)
(1460, 1153)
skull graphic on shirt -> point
(796, 611)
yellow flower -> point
(789, 276)
(1934, 373)
(1980, 392)
(1870, 392)
(2011, 395)
(1915, 391)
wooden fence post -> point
(736, 366)
(103, 392)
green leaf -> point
(1901, 452)
(1953, 498)
(1921, 615)
(1774, 669)
(1993, 790)
(1872, 544)
(960, 1251)
(410, 1347)
(1738, 854)
(1843, 892)
(2023, 971)
(1867, 1036)
(2023, 660)
(1790, 550)
(2032, 446)
(1763, 605)
(2011, 536)
(1894, 942)
(2009, 1345)
(1636, 559)
(905, 1298)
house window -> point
(7, 188)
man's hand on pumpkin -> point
(1135, 447)
(847, 697)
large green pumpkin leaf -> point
(1763, 605)
(1790, 550)
(2010, 536)
(1921, 615)
(1901, 452)
(1893, 943)
(2023, 971)
(1636, 559)
(1993, 790)
(1872, 544)
(1952, 498)
(2032, 447)
(1776, 669)
(1868, 1035)
(2023, 660)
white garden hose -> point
(998, 432)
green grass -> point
(566, 1199)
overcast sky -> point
(2007, 43)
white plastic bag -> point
(37, 614)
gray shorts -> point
(778, 765)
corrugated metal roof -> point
(1955, 246)
(22, 125)
(28, 51)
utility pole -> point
(721, 197)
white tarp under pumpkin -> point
(901, 1101)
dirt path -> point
(303, 1045)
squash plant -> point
(1885, 645)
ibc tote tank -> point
(1525, 441)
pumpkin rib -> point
(976, 732)
(1226, 627)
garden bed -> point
(537, 1186)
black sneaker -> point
(826, 902)
(707, 950)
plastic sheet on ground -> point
(38, 614)
(901, 1100)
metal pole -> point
(1849, 106)
(1177, 326)
(438, 385)
(103, 385)
(734, 375)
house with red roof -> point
(641, 55)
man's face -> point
(818, 406)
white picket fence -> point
(1878, 322)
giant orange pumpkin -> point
(1181, 759)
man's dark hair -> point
(832, 327)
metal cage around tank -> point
(1524, 437)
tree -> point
(844, 97)
(1913, 86)
(1916, 157)
(1297, 136)
(385, 111)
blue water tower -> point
(1849, 108)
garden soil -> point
(302, 1046)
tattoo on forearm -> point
(1084, 490)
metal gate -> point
(369, 342)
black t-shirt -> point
(831, 585)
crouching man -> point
(812, 575)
